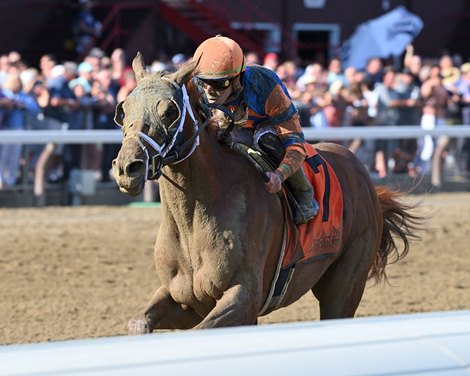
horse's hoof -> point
(138, 326)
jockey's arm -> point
(293, 157)
(292, 161)
(287, 125)
(285, 119)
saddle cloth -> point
(320, 237)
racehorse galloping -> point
(217, 250)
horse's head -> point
(152, 119)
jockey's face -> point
(217, 91)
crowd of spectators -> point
(83, 95)
(425, 92)
(61, 95)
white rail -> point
(415, 344)
(341, 133)
(61, 137)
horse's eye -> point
(167, 111)
(119, 114)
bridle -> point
(170, 153)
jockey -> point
(260, 102)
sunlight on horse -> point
(218, 247)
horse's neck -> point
(199, 177)
(207, 177)
(194, 192)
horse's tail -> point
(399, 224)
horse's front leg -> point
(163, 313)
(238, 306)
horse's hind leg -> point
(340, 289)
(163, 313)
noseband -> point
(170, 153)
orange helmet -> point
(221, 57)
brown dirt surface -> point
(81, 272)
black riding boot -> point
(298, 184)
(302, 190)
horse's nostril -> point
(117, 168)
(135, 168)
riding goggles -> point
(220, 84)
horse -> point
(217, 248)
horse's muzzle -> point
(130, 176)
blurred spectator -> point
(435, 101)
(158, 66)
(386, 115)
(46, 63)
(409, 113)
(81, 88)
(128, 85)
(374, 70)
(450, 77)
(317, 89)
(105, 62)
(94, 58)
(44, 157)
(409, 93)
(28, 77)
(14, 104)
(310, 105)
(118, 64)
(63, 106)
(104, 94)
(293, 70)
(335, 71)
(450, 74)
(367, 112)
(177, 61)
(4, 67)
(350, 76)
(463, 89)
(86, 28)
(62, 101)
(271, 61)
(339, 103)
(16, 61)
(252, 58)
(85, 71)
(355, 111)
(357, 106)
(414, 63)
(313, 73)
(288, 73)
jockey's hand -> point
(274, 184)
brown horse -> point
(218, 246)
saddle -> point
(263, 163)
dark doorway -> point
(313, 46)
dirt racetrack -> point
(69, 273)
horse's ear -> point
(138, 66)
(182, 75)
